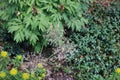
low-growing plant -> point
(98, 47)
(10, 69)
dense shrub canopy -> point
(29, 20)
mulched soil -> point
(32, 60)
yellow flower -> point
(39, 78)
(25, 76)
(2, 74)
(117, 70)
(13, 71)
(43, 75)
(4, 54)
(19, 57)
(40, 65)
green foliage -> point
(114, 76)
(98, 50)
(29, 20)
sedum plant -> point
(29, 20)
(10, 69)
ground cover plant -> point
(98, 48)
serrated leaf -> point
(33, 38)
(19, 36)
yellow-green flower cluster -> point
(40, 65)
(4, 54)
(25, 76)
(43, 75)
(40, 78)
(117, 70)
(13, 71)
(19, 57)
(2, 74)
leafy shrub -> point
(10, 69)
(98, 45)
(29, 20)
